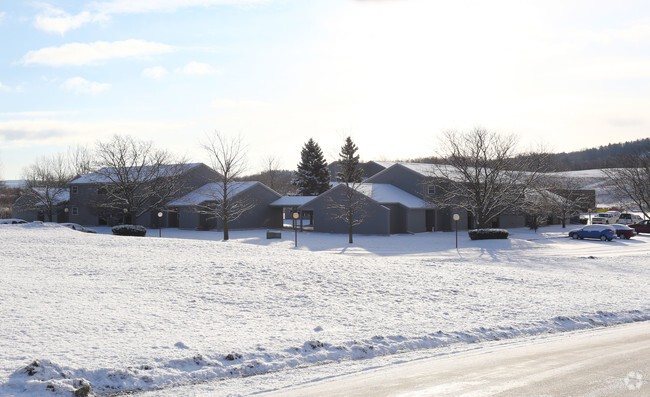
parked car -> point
(629, 219)
(641, 227)
(605, 218)
(623, 231)
(11, 221)
(78, 227)
(594, 231)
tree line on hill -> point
(608, 156)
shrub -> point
(129, 230)
(488, 234)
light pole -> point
(295, 216)
(124, 211)
(589, 210)
(66, 210)
(456, 219)
(160, 214)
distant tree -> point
(271, 173)
(312, 177)
(565, 197)
(81, 160)
(228, 158)
(632, 181)
(350, 209)
(484, 175)
(135, 176)
(46, 184)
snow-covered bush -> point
(129, 230)
(488, 234)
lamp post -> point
(589, 210)
(124, 211)
(456, 219)
(66, 210)
(295, 216)
(160, 214)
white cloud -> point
(53, 20)
(156, 72)
(79, 85)
(2, 16)
(224, 103)
(142, 6)
(197, 69)
(41, 113)
(6, 88)
(83, 54)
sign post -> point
(295, 215)
(456, 219)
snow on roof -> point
(385, 164)
(60, 196)
(292, 201)
(101, 176)
(210, 192)
(424, 169)
(384, 193)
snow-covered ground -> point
(159, 314)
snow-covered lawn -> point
(130, 313)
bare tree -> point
(228, 157)
(484, 174)
(271, 172)
(46, 184)
(81, 160)
(633, 182)
(135, 176)
(565, 197)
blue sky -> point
(393, 74)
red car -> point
(641, 227)
(622, 231)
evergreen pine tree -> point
(350, 172)
(313, 176)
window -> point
(75, 189)
(431, 189)
(75, 211)
(101, 190)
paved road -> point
(612, 361)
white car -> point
(11, 221)
(605, 218)
(629, 219)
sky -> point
(392, 74)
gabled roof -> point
(422, 169)
(61, 196)
(210, 192)
(384, 193)
(101, 176)
(292, 201)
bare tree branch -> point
(135, 176)
(633, 182)
(483, 174)
(227, 157)
(46, 184)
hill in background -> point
(601, 157)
